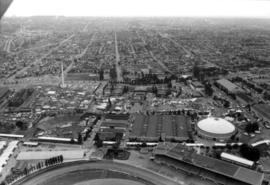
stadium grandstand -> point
(220, 172)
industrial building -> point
(228, 86)
(112, 125)
(262, 111)
(152, 127)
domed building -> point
(215, 128)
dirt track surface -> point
(79, 172)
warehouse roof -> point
(11, 135)
(263, 109)
(231, 87)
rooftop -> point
(263, 109)
(39, 155)
(229, 85)
(216, 126)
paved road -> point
(117, 60)
(147, 175)
(7, 45)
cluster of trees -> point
(250, 153)
(21, 125)
(80, 139)
(54, 160)
(38, 166)
(98, 141)
(87, 133)
(101, 74)
(197, 73)
(6, 127)
(125, 89)
(191, 114)
(20, 97)
(113, 73)
(224, 102)
(266, 95)
(154, 89)
(208, 89)
(152, 79)
(252, 127)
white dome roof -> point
(216, 126)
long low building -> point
(262, 111)
(228, 86)
(113, 125)
(55, 139)
(236, 159)
(11, 135)
(42, 155)
(219, 171)
(110, 123)
(152, 127)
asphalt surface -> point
(117, 60)
(79, 171)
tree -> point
(208, 89)
(169, 84)
(251, 127)
(99, 142)
(154, 90)
(196, 70)
(250, 153)
(25, 171)
(79, 138)
(144, 144)
(62, 158)
(226, 104)
(160, 139)
(101, 74)
(21, 125)
(72, 141)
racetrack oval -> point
(98, 173)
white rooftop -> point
(40, 155)
(236, 158)
(216, 126)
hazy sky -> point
(224, 8)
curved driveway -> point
(46, 176)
